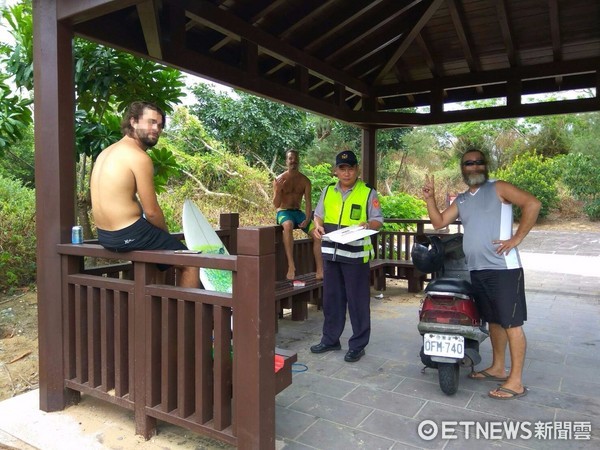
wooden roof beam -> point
(459, 21)
(337, 28)
(555, 33)
(77, 11)
(306, 19)
(427, 55)
(205, 12)
(150, 27)
(555, 29)
(491, 77)
(254, 21)
(401, 119)
(504, 22)
(408, 39)
(376, 27)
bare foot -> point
(291, 274)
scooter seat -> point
(453, 285)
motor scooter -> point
(449, 320)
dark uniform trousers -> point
(346, 285)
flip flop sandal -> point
(486, 376)
(513, 394)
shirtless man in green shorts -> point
(288, 190)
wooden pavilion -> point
(366, 62)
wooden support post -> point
(55, 187)
(369, 156)
(144, 424)
(254, 338)
(230, 222)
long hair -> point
(136, 110)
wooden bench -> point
(286, 295)
(298, 298)
(283, 377)
(397, 269)
(392, 252)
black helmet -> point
(428, 254)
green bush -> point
(534, 174)
(401, 206)
(592, 209)
(17, 234)
(579, 173)
(320, 176)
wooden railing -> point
(398, 244)
(174, 354)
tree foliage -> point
(320, 176)
(536, 175)
(15, 116)
(401, 206)
(18, 160)
(17, 234)
(106, 81)
(258, 129)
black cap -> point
(346, 157)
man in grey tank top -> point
(492, 256)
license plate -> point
(448, 345)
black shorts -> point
(500, 296)
(140, 235)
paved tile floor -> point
(379, 402)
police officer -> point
(346, 279)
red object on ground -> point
(278, 363)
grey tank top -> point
(486, 219)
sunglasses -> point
(470, 162)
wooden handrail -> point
(165, 352)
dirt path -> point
(18, 344)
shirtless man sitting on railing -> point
(288, 190)
(124, 204)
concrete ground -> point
(382, 401)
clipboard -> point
(349, 234)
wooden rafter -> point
(491, 77)
(341, 25)
(306, 19)
(427, 56)
(555, 29)
(150, 27)
(206, 13)
(76, 11)
(372, 30)
(409, 37)
(459, 22)
(555, 33)
(507, 35)
(255, 20)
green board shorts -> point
(297, 217)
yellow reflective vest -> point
(344, 213)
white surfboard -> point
(200, 236)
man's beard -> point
(475, 179)
(147, 139)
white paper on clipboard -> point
(348, 234)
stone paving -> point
(379, 402)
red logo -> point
(376, 203)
